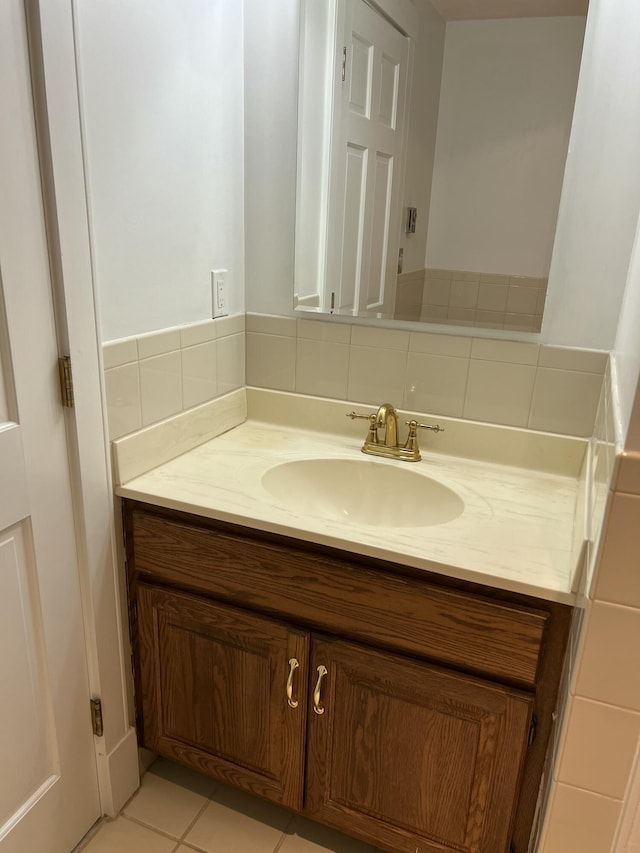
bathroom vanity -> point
(366, 687)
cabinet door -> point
(412, 757)
(213, 682)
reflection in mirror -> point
(432, 138)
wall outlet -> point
(219, 293)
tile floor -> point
(179, 811)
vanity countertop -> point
(516, 532)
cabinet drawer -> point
(351, 598)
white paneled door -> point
(367, 161)
(48, 781)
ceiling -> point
(469, 10)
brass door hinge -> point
(96, 717)
(66, 381)
(344, 64)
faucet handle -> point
(414, 425)
(372, 435)
(354, 415)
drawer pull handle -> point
(322, 671)
(293, 665)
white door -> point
(48, 781)
(368, 144)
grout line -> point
(148, 826)
(198, 816)
(285, 834)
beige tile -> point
(197, 333)
(489, 319)
(116, 353)
(234, 821)
(542, 298)
(465, 275)
(122, 388)
(230, 357)
(493, 297)
(271, 361)
(610, 660)
(179, 775)
(157, 343)
(568, 358)
(599, 747)
(322, 368)
(520, 322)
(526, 281)
(434, 313)
(508, 351)
(618, 578)
(165, 806)
(435, 384)
(436, 292)
(461, 316)
(303, 836)
(440, 344)
(498, 392)
(376, 375)
(565, 401)
(464, 294)
(233, 325)
(125, 836)
(494, 278)
(628, 475)
(268, 325)
(580, 822)
(431, 272)
(370, 336)
(317, 330)
(160, 386)
(522, 300)
(199, 374)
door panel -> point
(414, 756)
(48, 786)
(213, 687)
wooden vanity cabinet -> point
(386, 703)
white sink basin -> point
(362, 491)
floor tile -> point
(165, 805)
(125, 836)
(183, 776)
(304, 836)
(234, 821)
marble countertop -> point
(516, 531)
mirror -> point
(432, 138)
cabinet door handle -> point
(322, 671)
(293, 665)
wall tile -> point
(434, 313)
(461, 316)
(489, 319)
(436, 292)
(370, 336)
(628, 479)
(435, 384)
(493, 297)
(197, 333)
(115, 353)
(199, 382)
(267, 325)
(599, 747)
(565, 358)
(522, 300)
(580, 822)
(122, 387)
(494, 278)
(230, 325)
(499, 392)
(271, 361)
(565, 401)
(610, 660)
(618, 578)
(508, 351)
(230, 357)
(160, 386)
(464, 294)
(318, 330)
(440, 344)
(521, 322)
(376, 376)
(157, 343)
(322, 368)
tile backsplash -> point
(462, 298)
(516, 384)
(151, 377)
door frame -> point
(55, 75)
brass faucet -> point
(387, 418)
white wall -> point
(161, 97)
(626, 350)
(508, 89)
(423, 124)
(601, 193)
